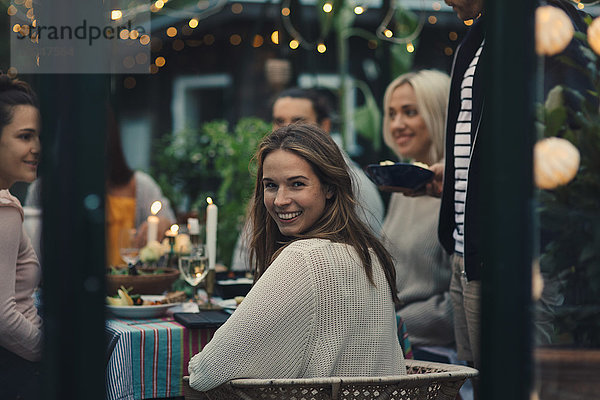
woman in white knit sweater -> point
(415, 113)
(324, 298)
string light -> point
(437, 6)
(235, 39)
(116, 14)
(237, 8)
(468, 22)
(159, 4)
(144, 40)
(384, 33)
(410, 47)
(257, 41)
(160, 61)
(297, 36)
(141, 58)
(453, 36)
(321, 48)
(171, 31)
(128, 62)
(193, 23)
(208, 39)
(294, 44)
(275, 37)
(129, 82)
(124, 34)
(134, 34)
(285, 11)
(432, 19)
(359, 10)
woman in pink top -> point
(20, 324)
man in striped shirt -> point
(458, 230)
(459, 177)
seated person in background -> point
(20, 324)
(413, 128)
(323, 302)
(298, 105)
(129, 196)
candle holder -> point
(171, 259)
(209, 286)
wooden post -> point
(73, 109)
(507, 199)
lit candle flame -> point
(155, 208)
(209, 200)
(174, 229)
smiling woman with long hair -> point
(20, 324)
(324, 298)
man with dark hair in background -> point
(298, 105)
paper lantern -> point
(593, 33)
(537, 281)
(553, 30)
(555, 161)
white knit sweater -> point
(312, 314)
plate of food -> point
(125, 305)
(399, 176)
(231, 304)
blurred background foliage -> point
(212, 161)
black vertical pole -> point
(73, 130)
(506, 210)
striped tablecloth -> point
(150, 357)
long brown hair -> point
(339, 223)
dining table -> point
(148, 358)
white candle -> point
(153, 222)
(211, 232)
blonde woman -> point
(413, 127)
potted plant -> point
(211, 161)
(569, 212)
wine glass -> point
(194, 267)
(129, 247)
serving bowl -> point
(148, 281)
(399, 175)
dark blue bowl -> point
(401, 175)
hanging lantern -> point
(555, 162)
(593, 33)
(537, 281)
(553, 30)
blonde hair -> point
(431, 90)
